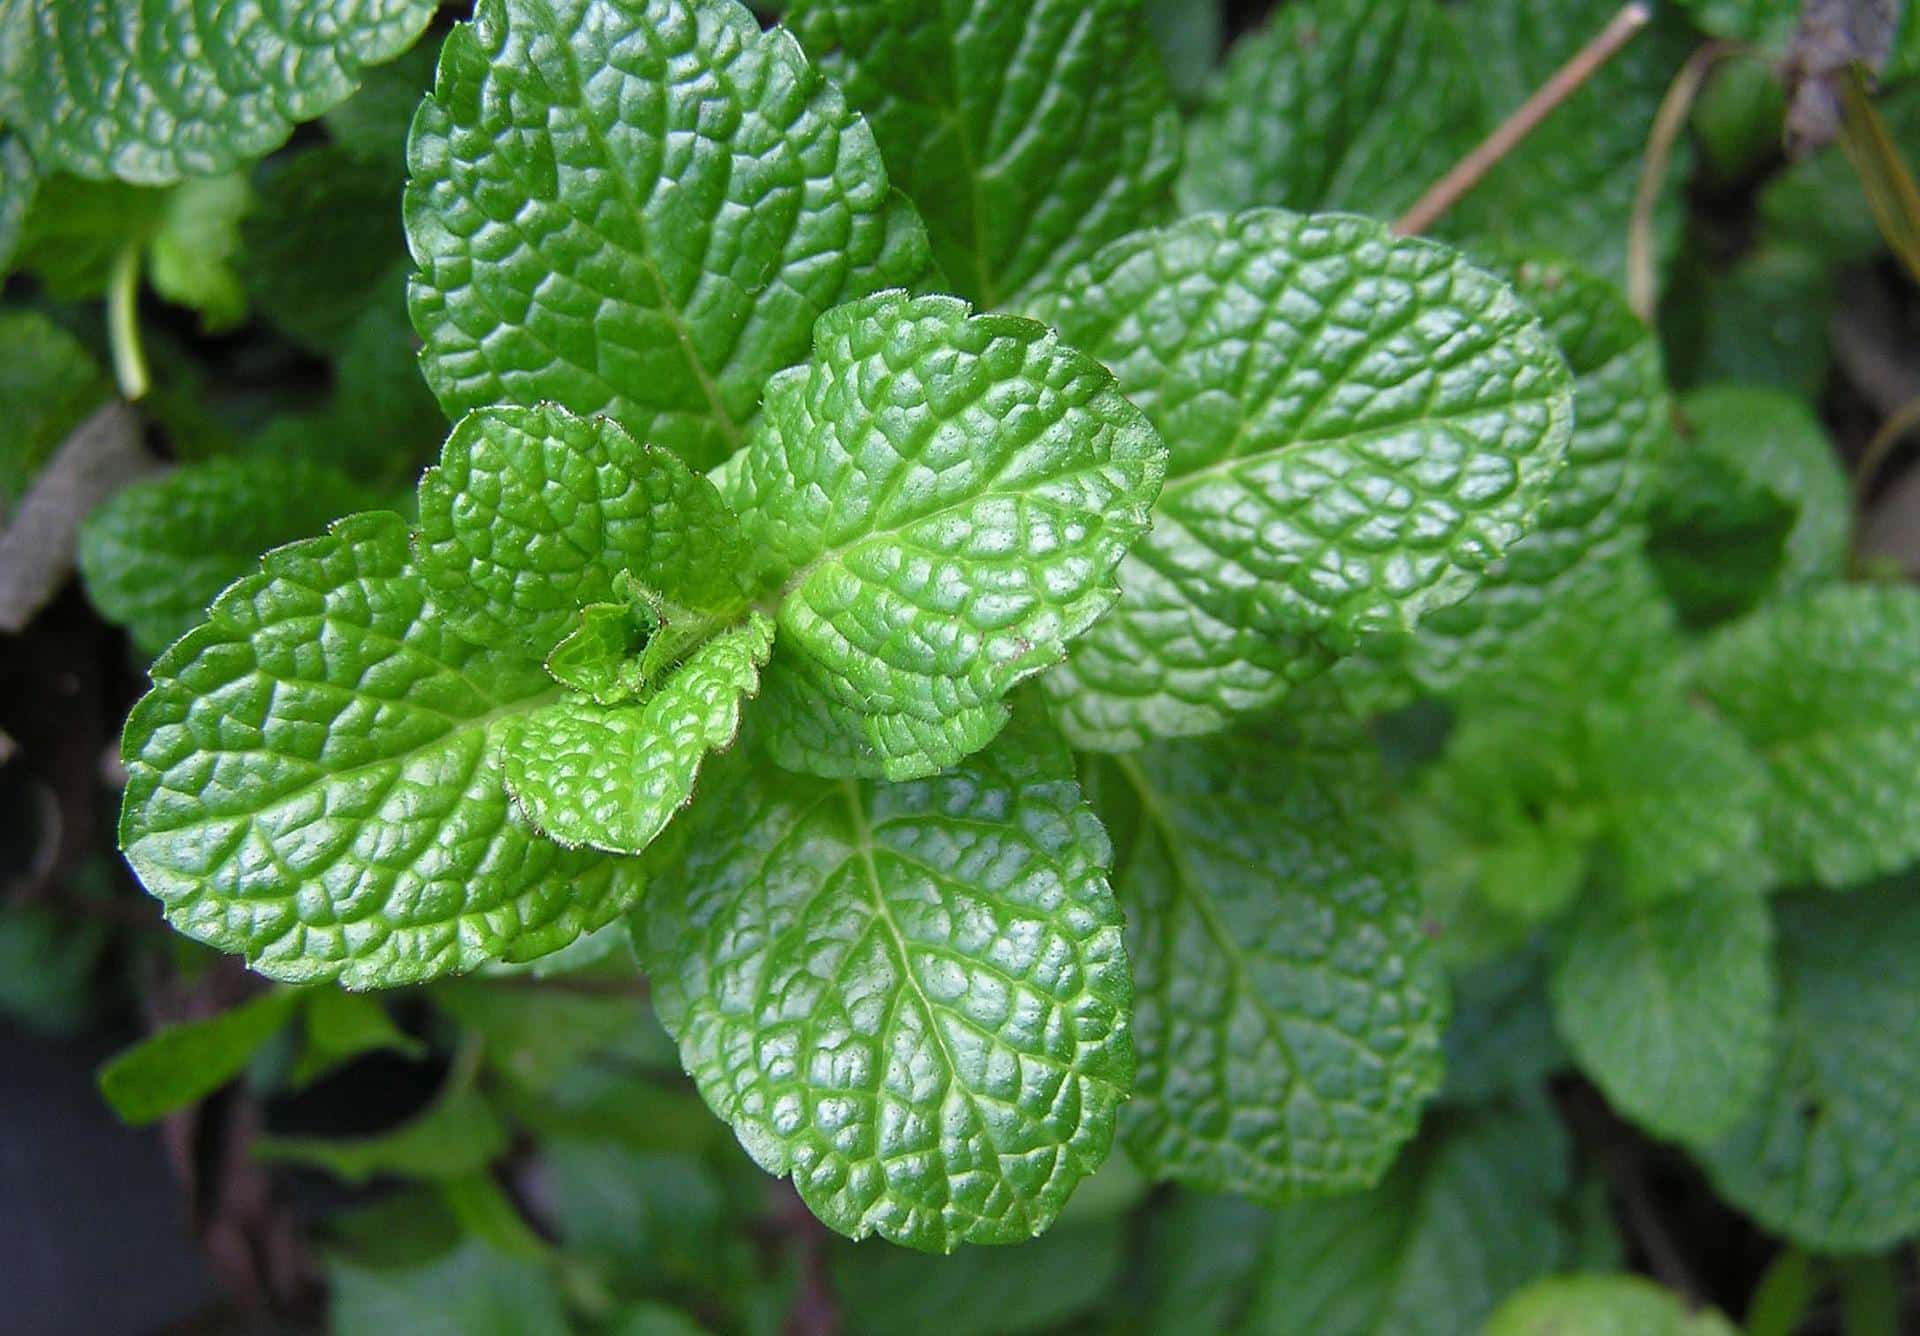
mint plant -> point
(948, 597)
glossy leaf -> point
(941, 500)
(314, 779)
(1029, 133)
(1358, 426)
(1288, 1017)
(638, 208)
(911, 998)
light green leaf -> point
(155, 92)
(49, 383)
(1589, 512)
(1763, 23)
(912, 998)
(1334, 105)
(807, 730)
(1287, 1021)
(472, 1291)
(941, 501)
(612, 776)
(1669, 1006)
(1475, 1209)
(1358, 426)
(1029, 133)
(1831, 1159)
(1601, 1306)
(315, 781)
(533, 513)
(192, 256)
(159, 552)
(187, 1062)
(1823, 687)
(638, 209)
(1569, 185)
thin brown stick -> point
(1466, 174)
(1643, 293)
(1874, 457)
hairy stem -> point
(1464, 175)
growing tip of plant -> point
(1464, 175)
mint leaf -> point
(1764, 510)
(1822, 687)
(1589, 513)
(807, 730)
(1334, 105)
(1473, 1211)
(1500, 1040)
(1294, 364)
(532, 513)
(156, 92)
(338, 1027)
(1188, 37)
(323, 243)
(1568, 186)
(184, 1063)
(372, 124)
(1029, 133)
(49, 383)
(471, 1291)
(1831, 1158)
(941, 500)
(638, 209)
(76, 230)
(159, 552)
(613, 776)
(1601, 1306)
(194, 252)
(1288, 1018)
(1669, 1006)
(911, 998)
(314, 779)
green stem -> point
(123, 324)
(1785, 1293)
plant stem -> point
(1464, 175)
(123, 324)
(1642, 283)
(1880, 447)
(1891, 192)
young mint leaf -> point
(613, 776)
(1029, 133)
(1334, 105)
(1590, 511)
(338, 1027)
(1669, 1006)
(49, 384)
(1601, 1306)
(1569, 185)
(188, 1062)
(1471, 1212)
(155, 92)
(158, 553)
(941, 500)
(1295, 366)
(314, 779)
(638, 209)
(912, 998)
(1823, 689)
(1831, 1159)
(1288, 1019)
(532, 514)
(1767, 448)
